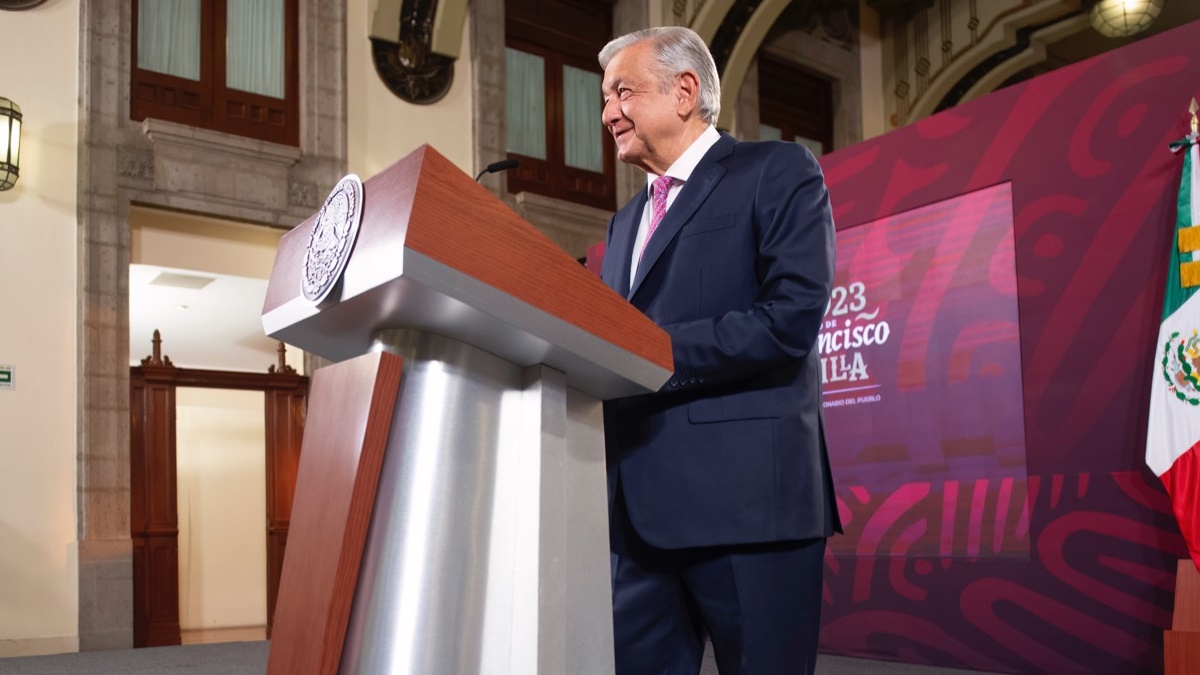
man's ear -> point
(687, 91)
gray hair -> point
(676, 49)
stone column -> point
(105, 551)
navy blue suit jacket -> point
(732, 449)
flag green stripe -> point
(1176, 295)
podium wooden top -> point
(439, 253)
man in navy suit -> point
(720, 490)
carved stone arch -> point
(944, 53)
(707, 19)
(990, 71)
(825, 46)
(735, 43)
(796, 33)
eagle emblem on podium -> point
(332, 239)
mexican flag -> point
(1173, 438)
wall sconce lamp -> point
(1122, 18)
(10, 143)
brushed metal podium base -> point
(488, 545)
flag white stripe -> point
(1174, 425)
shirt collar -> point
(683, 167)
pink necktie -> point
(658, 203)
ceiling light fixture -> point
(1123, 18)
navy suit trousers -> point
(759, 604)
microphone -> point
(502, 165)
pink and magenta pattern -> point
(1065, 564)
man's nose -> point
(611, 114)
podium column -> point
(487, 548)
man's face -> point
(642, 115)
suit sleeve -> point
(795, 264)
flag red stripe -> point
(1182, 481)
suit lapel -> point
(702, 181)
(616, 261)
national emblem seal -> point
(1180, 363)
(332, 239)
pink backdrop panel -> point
(1063, 562)
(921, 371)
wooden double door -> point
(154, 519)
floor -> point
(250, 658)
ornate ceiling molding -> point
(939, 59)
(1028, 50)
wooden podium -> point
(450, 511)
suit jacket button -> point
(674, 381)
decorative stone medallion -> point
(332, 239)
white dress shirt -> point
(681, 170)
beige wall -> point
(186, 241)
(38, 561)
(222, 497)
(382, 127)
